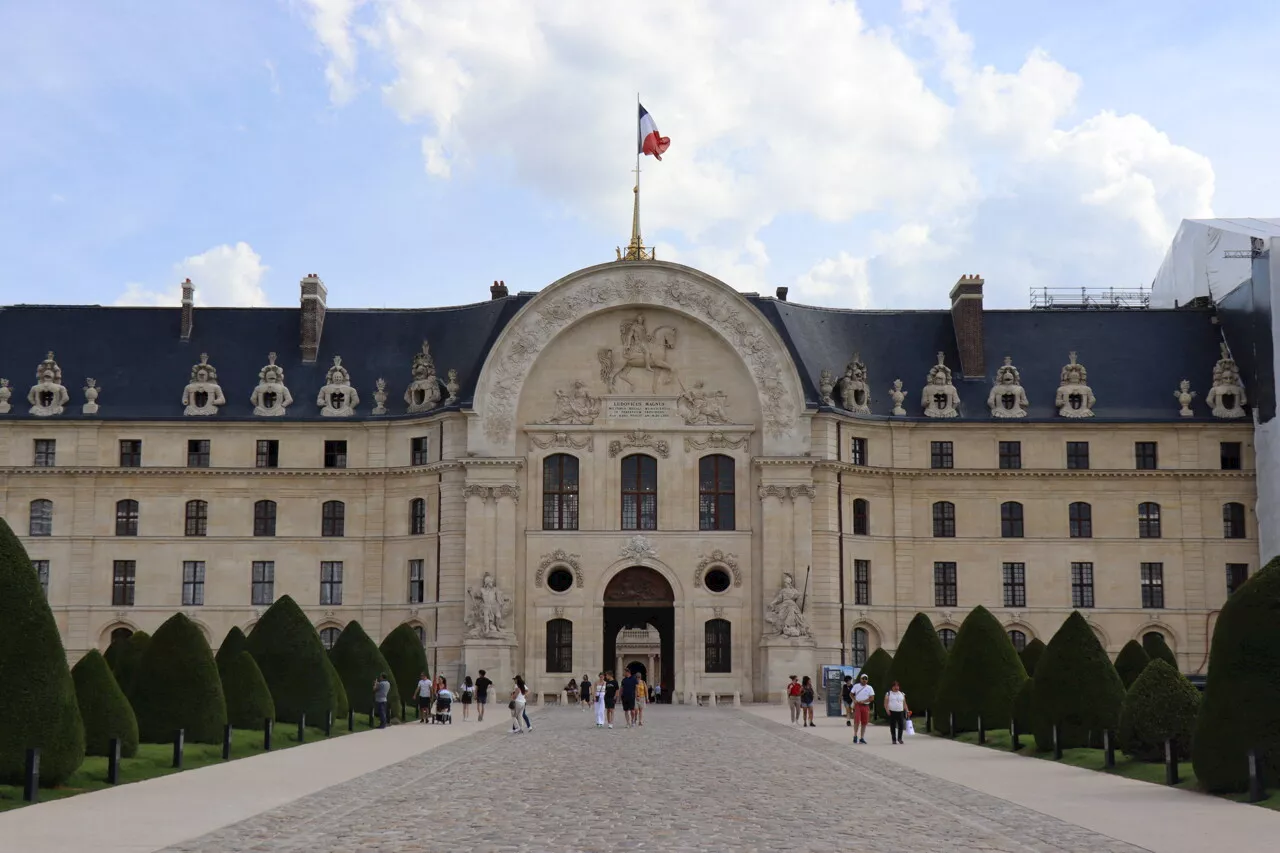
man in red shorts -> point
(863, 694)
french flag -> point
(650, 142)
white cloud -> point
(225, 275)
(840, 281)
(331, 20)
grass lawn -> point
(156, 759)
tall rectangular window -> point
(418, 450)
(1011, 520)
(1237, 574)
(1015, 584)
(197, 518)
(940, 455)
(1148, 520)
(333, 519)
(1078, 454)
(46, 453)
(858, 451)
(719, 646)
(42, 575)
(1230, 455)
(1144, 456)
(1153, 585)
(639, 492)
(944, 585)
(268, 453)
(331, 582)
(264, 518)
(418, 517)
(560, 492)
(715, 492)
(41, 521)
(944, 519)
(1081, 585)
(1080, 518)
(198, 453)
(263, 583)
(862, 582)
(559, 645)
(1233, 520)
(416, 582)
(127, 518)
(335, 453)
(861, 517)
(1011, 455)
(192, 583)
(130, 453)
(123, 573)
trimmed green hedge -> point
(1131, 661)
(248, 698)
(287, 649)
(1077, 687)
(103, 708)
(982, 676)
(126, 665)
(177, 686)
(38, 706)
(918, 663)
(1160, 705)
(232, 645)
(358, 663)
(876, 669)
(1023, 707)
(341, 701)
(1241, 707)
(1031, 656)
(1154, 644)
(406, 657)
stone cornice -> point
(156, 471)
(516, 462)
(1033, 473)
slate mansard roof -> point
(1135, 359)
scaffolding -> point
(1090, 299)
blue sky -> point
(411, 152)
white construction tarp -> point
(1197, 263)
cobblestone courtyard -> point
(689, 780)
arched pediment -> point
(606, 287)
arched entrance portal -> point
(640, 598)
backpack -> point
(806, 694)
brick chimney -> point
(782, 294)
(966, 319)
(498, 290)
(313, 297)
(188, 309)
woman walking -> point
(642, 697)
(895, 703)
(806, 703)
(600, 702)
(468, 693)
(585, 687)
(518, 701)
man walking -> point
(793, 698)
(629, 697)
(846, 699)
(381, 690)
(863, 694)
(482, 695)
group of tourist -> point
(855, 702)
(605, 692)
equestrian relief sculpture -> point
(641, 350)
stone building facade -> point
(636, 451)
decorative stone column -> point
(491, 600)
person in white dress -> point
(600, 701)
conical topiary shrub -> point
(406, 656)
(876, 669)
(1130, 663)
(112, 654)
(38, 705)
(1023, 705)
(1160, 705)
(982, 676)
(918, 663)
(1077, 687)
(177, 686)
(287, 649)
(104, 709)
(359, 663)
(127, 660)
(1030, 655)
(341, 701)
(232, 645)
(1241, 707)
(248, 698)
(1154, 644)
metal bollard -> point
(351, 719)
(226, 742)
(1170, 762)
(1257, 788)
(266, 734)
(951, 722)
(302, 728)
(1014, 743)
(179, 742)
(1108, 750)
(113, 761)
(982, 732)
(928, 721)
(328, 724)
(370, 717)
(31, 776)
(1057, 745)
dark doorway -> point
(640, 596)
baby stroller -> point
(443, 712)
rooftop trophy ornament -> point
(640, 349)
(940, 398)
(700, 408)
(337, 399)
(48, 396)
(452, 387)
(423, 393)
(1008, 399)
(784, 615)
(1184, 395)
(380, 397)
(91, 391)
(5, 393)
(827, 384)
(203, 394)
(578, 407)
(1074, 399)
(897, 395)
(1226, 397)
(270, 398)
(487, 609)
(855, 393)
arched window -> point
(120, 635)
(40, 522)
(559, 645)
(560, 492)
(947, 636)
(944, 519)
(719, 645)
(126, 518)
(639, 492)
(715, 492)
(333, 519)
(264, 518)
(197, 518)
(1011, 520)
(422, 634)
(1233, 520)
(1018, 639)
(859, 647)
(417, 516)
(1148, 520)
(1080, 515)
(861, 517)
(329, 636)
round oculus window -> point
(716, 580)
(560, 580)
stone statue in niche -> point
(337, 399)
(784, 614)
(1226, 397)
(380, 397)
(5, 393)
(700, 408)
(1184, 395)
(940, 398)
(855, 392)
(452, 387)
(827, 384)
(578, 407)
(641, 349)
(270, 397)
(487, 609)
(203, 394)
(48, 395)
(91, 391)
(1074, 399)
(1008, 399)
(423, 393)
(897, 395)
